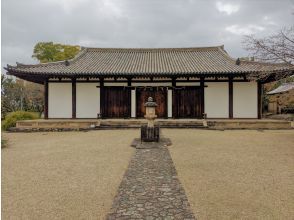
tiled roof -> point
(146, 62)
(285, 87)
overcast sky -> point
(138, 23)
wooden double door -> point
(159, 95)
(187, 102)
(116, 102)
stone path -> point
(150, 189)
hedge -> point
(13, 117)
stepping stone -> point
(150, 188)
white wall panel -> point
(169, 103)
(115, 84)
(216, 99)
(151, 84)
(133, 103)
(188, 83)
(245, 100)
(59, 100)
(88, 100)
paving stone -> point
(150, 188)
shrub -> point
(3, 143)
(13, 117)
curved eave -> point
(40, 77)
(45, 75)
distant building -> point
(281, 97)
(116, 82)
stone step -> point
(139, 123)
(162, 126)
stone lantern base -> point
(150, 134)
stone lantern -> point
(150, 112)
(150, 132)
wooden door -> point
(159, 95)
(116, 102)
(187, 102)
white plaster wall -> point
(245, 100)
(133, 103)
(169, 103)
(59, 100)
(188, 83)
(216, 99)
(115, 84)
(88, 100)
(151, 84)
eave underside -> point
(42, 77)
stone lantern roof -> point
(150, 103)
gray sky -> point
(138, 23)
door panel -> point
(158, 94)
(116, 102)
(187, 102)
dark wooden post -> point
(46, 91)
(231, 97)
(129, 97)
(101, 97)
(202, 95)
(174, 84)
(74, 98)
(259, 100)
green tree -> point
(50, 52)
(17, 94)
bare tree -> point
(277, 48)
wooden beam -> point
(259, 100)
(74, 98)
(46, 92)
(231, 114)
(202, 94)
(174, 82)
(129, 81)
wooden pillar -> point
(101, 97)
(46, 91)
(202, 94)
(231, 114)
(259, 100)
(129, 98)
(174, 84)
(74, 97)
(129, 81)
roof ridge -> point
(265, 63)
(142, 49)
(225, 53)
(79, 54)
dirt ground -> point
(69, 175)
(236, 174)
(75, 175)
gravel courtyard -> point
(75, 175)
(236, 174)
(69, 175)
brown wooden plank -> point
(116, 102)
(202, 94)
(159, 95)
(187, 102)
(101, 81)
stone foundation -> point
(74, 125)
